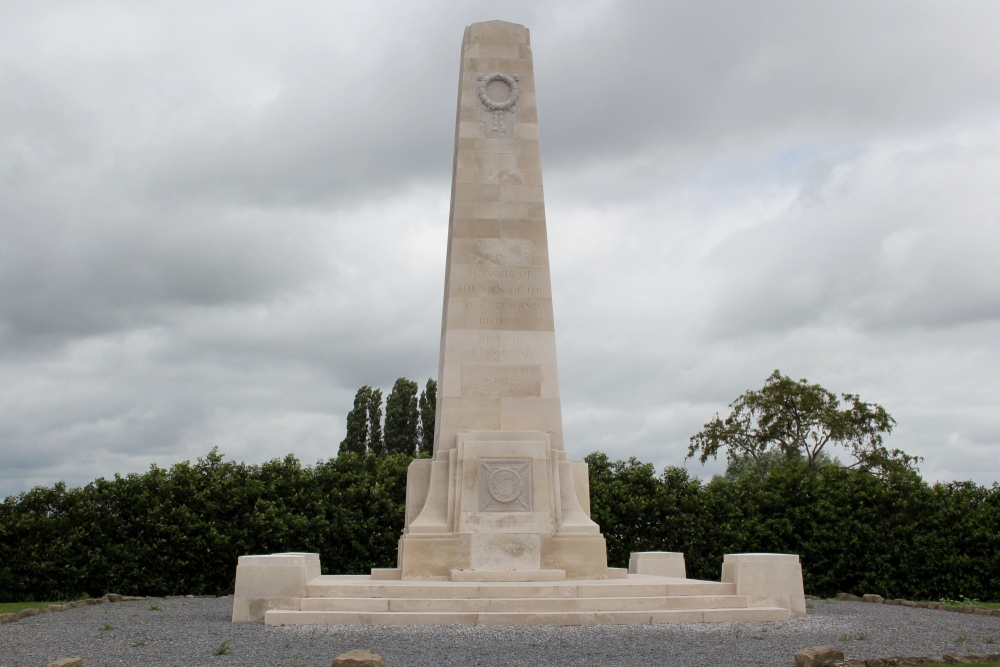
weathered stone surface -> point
(66, 662)
(848, 597)
(7, 618)
(817, 656)
(358, 658)
(25, 613)
(877, 599)
(768, 580)
(277, 581)
(659, 563)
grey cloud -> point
(899, 237)
(217, 221)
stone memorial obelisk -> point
(499, 500)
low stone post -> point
(277, 581)
(768, 580)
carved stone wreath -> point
(511, 80)
(505, 485)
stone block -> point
(817, 656)
(877, 599)
(657, 563)
(358, 658)
(581, 557)
(768, 580)
(277, 581)
(66, 662)
(386, 573)
(508, 575)
(434, 557)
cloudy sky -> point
(219, 219)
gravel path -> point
(188, 632)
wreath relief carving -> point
(499, 92)
(505, 486)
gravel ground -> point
(188, 632)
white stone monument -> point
(498, 527)
(499, 500)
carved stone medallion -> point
(505, 485)
(498, 91)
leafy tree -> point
(799, 420)
(376, 444)
(357, 437)
(402, 418)
(427, 406)
(744, 464)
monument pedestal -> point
(500, 506)
(636, 598)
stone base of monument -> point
(283, 589)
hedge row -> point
(180, 530)
(897, 537)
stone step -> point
(516, 604)
(634, 586)
(281, 617)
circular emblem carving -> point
(504, 485)
(498, 105)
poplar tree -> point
(375, 443)
(428, 406)
(357, 436)
(402, 418)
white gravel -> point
(188, 632)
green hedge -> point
(180, 530)
(854, 532)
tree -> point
(357, 436)
(427, 406)
(799, 420)
(402, 418)
(375, 443)
(744, 464)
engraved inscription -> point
(499, 290)
(500, 251)
(505, 485)
(508, 348)
(501, 380)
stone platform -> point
(638, 599)
(286, 589)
